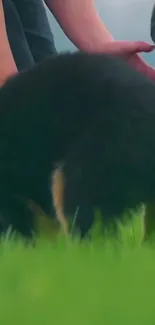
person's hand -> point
(130, 50)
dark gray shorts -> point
(153, 24)
(29, 32)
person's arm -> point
(81, 23)
(7, 63)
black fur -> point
(90, 112)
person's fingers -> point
(126, 47)
(136, 47)
(142, 47)
(130, 50)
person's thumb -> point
(135, 47)
(126, 47)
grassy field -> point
(65, 283)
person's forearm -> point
(7, 63)
(81, 23)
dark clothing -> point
(153, 24)
(29, 32)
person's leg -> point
(18, 43)
(36, 27)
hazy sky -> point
(126, 19)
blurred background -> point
(125, 19)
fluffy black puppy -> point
(92, 116)
(111, 165)
(43, 111)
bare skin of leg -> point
(7, 63)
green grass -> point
(92, 283)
